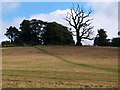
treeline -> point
(37, 32)
(101, 39)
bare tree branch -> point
(78, 19)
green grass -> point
(59, 75)
(74, 63)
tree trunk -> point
(78, 39)
(11, 41)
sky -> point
(105, 15)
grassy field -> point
(60, 67)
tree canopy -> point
(115, 42)
(101, 38)
(12, 33)
(55, 33)
(37, 32)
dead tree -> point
(80, 21)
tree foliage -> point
(115, 42)
(36, 32)
(31, 31)
(101, 38)
(57, 34)
(12, 33)
(6, 43)
(119, 33)
(26, 32)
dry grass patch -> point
(28, 67)
(98, 56)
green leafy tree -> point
(35, 32)
(6, 43)
(37, 27)
(101, 38)
(12, 33)
(116, 42)
(26, 32)
(55, 33)
(31, 31)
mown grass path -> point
(74, 63)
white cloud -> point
(56, 16)
(2, 36)
(16, 22)
(106, 16)
(9, 6)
